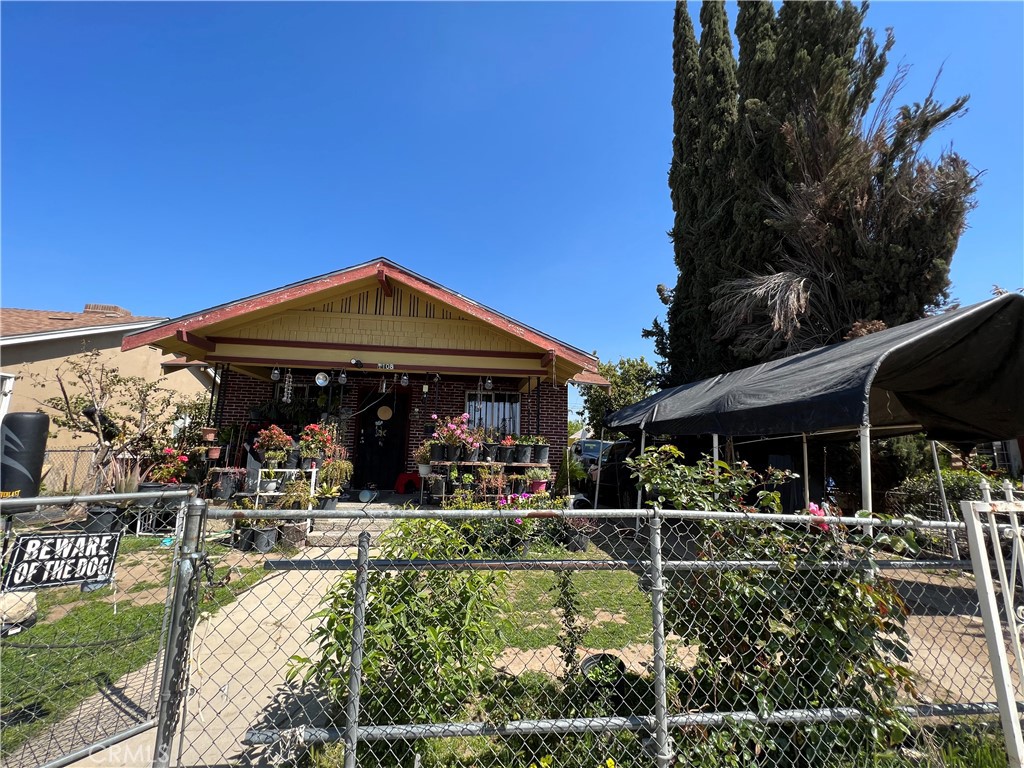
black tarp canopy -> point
(957, 376)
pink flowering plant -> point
(274, 443)
(455, 430)
(170, 466)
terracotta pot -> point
(213, 452)
(209, 434)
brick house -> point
(376, 349)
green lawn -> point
(51, 668)
(616, 610)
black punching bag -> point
(22, 447)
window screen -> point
(494, 410)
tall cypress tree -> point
(681, 359)
(801, 206)
(705, 116)
(757, 166)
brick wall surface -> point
(241, 394)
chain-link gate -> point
(85, 612)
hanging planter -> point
(213, 452)
(209, 434)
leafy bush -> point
(770, 640)
(429, 636)
(919, 495)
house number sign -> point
(385, 366)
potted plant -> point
(257, 535)
(422, 457)
(489, 442)
(274, 443)
(295, 494)
(315, 442)
(517, 483)
(435, 485)
(209, 434)
(505, 449)
(522, 449)
(336, 471)
(225, 481)
(454, 433)
(576, 532)
(538, 478)
(327, 496)
(541, 449)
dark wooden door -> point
(381, 439)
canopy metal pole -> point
(865, 472)
(807, 476)
(714, 448)
(597, 482)
(945, 505)
(640, 482)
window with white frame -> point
(494, 410)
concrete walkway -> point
(239, 662)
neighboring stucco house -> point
(33, 342)
(392, 348)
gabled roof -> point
(958, 376)
(188, 334)
(21, 326)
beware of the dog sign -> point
(56, 560)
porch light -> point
(343, 377)
(488, 384)
(275, 375)
(404, 380)
(322, 379)
(356, 363)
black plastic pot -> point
(540, 453)
(103, 520)
(605, 676)
(258, 539)
(521, 453)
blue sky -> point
(168, 157)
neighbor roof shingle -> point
(21, 322)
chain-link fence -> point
(67, 471)
(486, 637)
(397, 637)
(84, 608)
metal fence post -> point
(1001, 678)
(355, 670)
(182, 620)
(663, 747)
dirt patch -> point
(636, 657)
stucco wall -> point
(42, 358)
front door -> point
(381, 439)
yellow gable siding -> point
(368, 317)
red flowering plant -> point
(169, 467)
(274, 442)
(314, 441)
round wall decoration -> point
(384, 412)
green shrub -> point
(430, 634)
(772, 640)
(919, 495)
